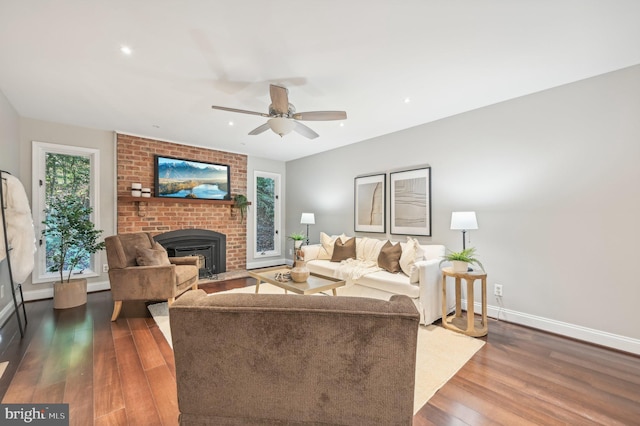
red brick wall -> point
(136, 164)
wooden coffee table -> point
(315, 283)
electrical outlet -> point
(2, 291)
(290, 252)
(497, 290)
(105, 268)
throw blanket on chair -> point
(352, 269)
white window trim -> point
(277, 251)
(39, 151)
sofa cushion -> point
(344, 250)
(368, 248)
(411, 253)
(389, 257)
(152, 256)
(328, 242)
(381, 280)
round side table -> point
(457, 322)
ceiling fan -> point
(283, 116)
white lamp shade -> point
(281, 125)
(464, 220)
(308, 219)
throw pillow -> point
(152, 256)
(389, 258)
(344, 250)
(411, 253)
(368, 249)
(327, 242)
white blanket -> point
(20, 231)
(352, 269)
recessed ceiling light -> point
(126, 50)
(231, 123)
(407, 100)
(341, 124)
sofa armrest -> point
(311, 251)
(185, 260)
(143, 282)
(430, 289)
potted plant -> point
(298, 238)
(299, 273)
(73, 235)
(462, 259)
(240, 202)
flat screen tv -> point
(181, 178)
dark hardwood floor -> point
(123, 373)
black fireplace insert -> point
(210, 246)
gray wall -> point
(42, 131)
(553, 178)
(10, 162)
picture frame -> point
(411, 202)
(370, 203)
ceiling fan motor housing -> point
(274, 113)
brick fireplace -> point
(135, 157)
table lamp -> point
(308, 219)
(463, 221)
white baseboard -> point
(7, 312)
(615, 341)
(47, 293)
(266, 263)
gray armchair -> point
(271, 359)
(139, 269)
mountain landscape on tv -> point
(186, 179)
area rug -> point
(441, 353)
(3, 367)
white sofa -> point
(422, 284)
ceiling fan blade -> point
(320, 115)
(305, 131)
(260, 129)
(242, 111)
(279, 99)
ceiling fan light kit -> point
(281, 126)
(282, 115)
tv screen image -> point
(181, 178)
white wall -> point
(42, 131)
(553, 177)
(10, 158)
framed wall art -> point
(411, 202)
(370, 203)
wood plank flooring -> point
(123, 373)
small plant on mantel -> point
(465, 257)
(241, 203)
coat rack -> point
(15, 288)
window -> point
(267, 217)
(61, 169)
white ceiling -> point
(60, 61)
